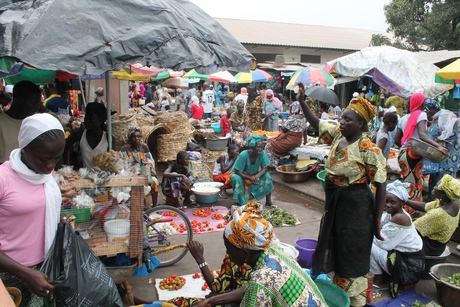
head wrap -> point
(355, 94)
(231, 95)
(97, 108)
(295, 107)
(450, 186)
(244, 91)
(253, 140)
(416, 100)
(248, 229)
(9, 89)
(392, 109)
(132, 130)
(98, 90)
(240, 102)
(195, 100)
(363, 108)
(269, 92)
(399, 189)
(35, 125)
(431, 103)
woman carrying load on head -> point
(413, 125)
(137, 152)
(352, 214)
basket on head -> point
(120, 129)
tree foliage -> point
(425, 25)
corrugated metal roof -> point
(270, 33)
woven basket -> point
(202, 170)
(176, 122)
(168, 145)
(120, 129)
(150, 137)
(209, 157)
(144, 119)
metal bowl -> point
(427, 151)
(289, 174)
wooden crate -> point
(98, 241)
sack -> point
(193, 147)
(79, 277)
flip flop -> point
(270, 207)
(224, 196)
(192, 204)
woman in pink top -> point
(30, 201)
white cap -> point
(355, 94)
(9, 89)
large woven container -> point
(168, 145)
(175, 122)
(150, 137)
(202, 170)
(120, 129)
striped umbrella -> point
(311, 76)
(257, 75)
(192, 74)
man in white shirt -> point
(208, 98)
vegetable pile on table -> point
(279, 217)
(172, 283)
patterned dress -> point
(271, 121)
(239, 138)
(254, 112)
(346, 232)
(277, 280)
(244, 191)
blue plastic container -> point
(216, 127)
(306, 248)
(285, 115)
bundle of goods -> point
(202, 170)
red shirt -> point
(225, 125)
(197, 111)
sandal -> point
(223, 195)
(192, 204)
(268, 207)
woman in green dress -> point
(250, 179)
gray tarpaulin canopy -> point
(95, 36)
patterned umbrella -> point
(257, 75)
(310, 76)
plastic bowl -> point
(333, 294)
(206, 194)
(290, 250)
(322, 177)
(213, 184)
(427, 151)
(306, 248)
(216, 127)
(289, 174)
(117, 228)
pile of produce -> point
(267, 133)
(454, 279)
(279, 217)
(172, 283)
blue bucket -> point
(306, 248)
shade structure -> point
(167, 73)
(176, 82)
(223, 77)
(125, 74)
(310, 76)
(192, 74)
(323, 94)
(95, 36)
(257, 75)
(449, 74)
(401, 72)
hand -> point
(187, 180)
(377, 228)
(197, 250)
(255, 180)
(280, 115)
(38, 282)
(205, 303)
(444, 150)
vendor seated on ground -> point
(137, 152)
(222, 166)
(239, 121)
(400, 254)
(441, 217)
(249, 175)
(178, 181)
(290, 137)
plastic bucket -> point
(290, 250)
(322, 177)
(306, 248)
(118, 228)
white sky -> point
(358, 14)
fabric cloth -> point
(241, 192)
(248, 229)
(344, 167)
(416, 101)
(363, 108)
(35, 125)
(399, 189)
(238, 137)
(450, 186)
(253, 140)
(431, 103)
(58, 105)
(217, 168)
(284, 142)
(225, 125)
(88, 153)
(9, 131)
(254, 112)
(52, 192)
(197, 111)
(146, 163)
(355, 287)
(399, 103)
(171, 187)
(384, 136)
(402, 124)
(436, 223)
(411, 166)
(208, 98)
(293, 286)
(271, 111)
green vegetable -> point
(454, 279)
(417, 304)
(279, 217)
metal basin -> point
(427, 151)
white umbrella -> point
(223, 77)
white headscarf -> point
(399, 189)
(31, 128)
(195, 100)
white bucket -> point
(117, 228)
(290, 250)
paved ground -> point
(306, 201)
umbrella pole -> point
(109, 115)
(82, 91)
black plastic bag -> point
(79, 277)
(193, 147)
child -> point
(164, 103)
(222, 168)
(323, 111)
(390, 121)
(225, 123)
